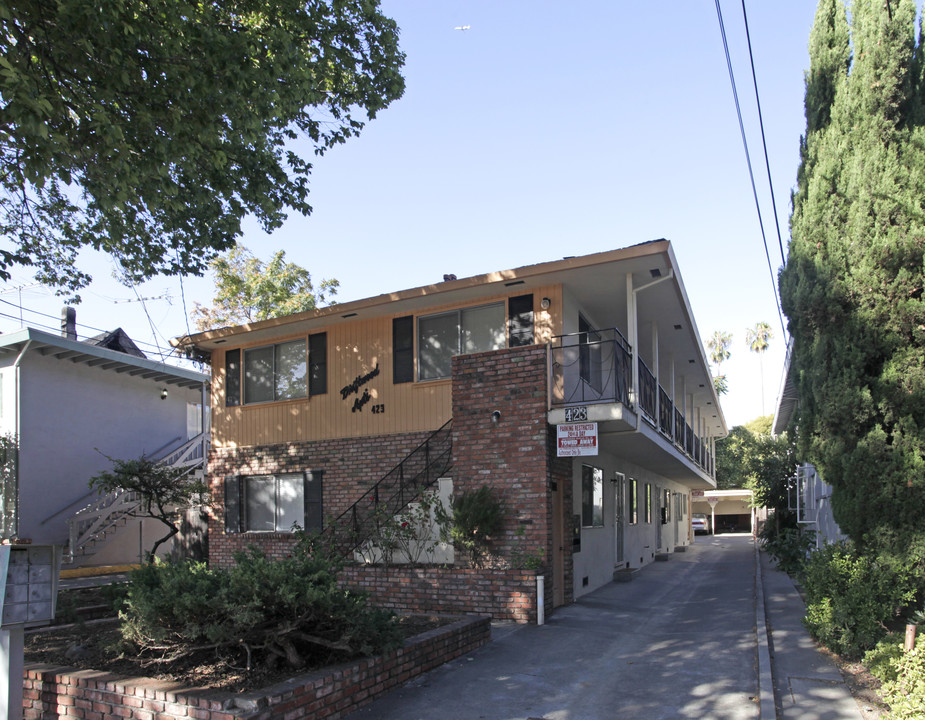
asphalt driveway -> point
(679, 641)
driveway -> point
(677, 642)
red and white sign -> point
(713, 501)
(576, 439)
(696, 493)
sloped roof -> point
(93, 355)
(116, 340)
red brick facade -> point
(350, 466)
(513, 452)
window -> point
(318, 364)
(634, 501)
(666, 507)
(592, 496)
(273, 503)
(403, 349)
(459, 332)
(648, 501)
(275, 372)
(520, 320)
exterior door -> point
(619, 517)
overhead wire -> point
(56, 328)
(751, 174)
(764, 143)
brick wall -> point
(351, 466)
(504, 594)
(514, 454)
(67, 694)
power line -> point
(764, 144)
(57, 328)
(751, 174)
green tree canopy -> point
(750, 457)
(149, 128)
(248, 290)
(853, 284)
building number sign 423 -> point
(576, 414)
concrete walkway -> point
(807, 684)
(684, 639)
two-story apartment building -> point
(578, 389)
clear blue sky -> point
(544, 130)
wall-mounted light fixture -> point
(164, 394)
(545, 303)
(496, 416)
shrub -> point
(258, 612)
(477, 517)
(902, 674)
(850, 597)
(790, 548)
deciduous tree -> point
(248, 289)
(149, 128)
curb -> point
(767, 709)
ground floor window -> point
(592, 496)
(273, 503)
(648, 503)
(634, 501)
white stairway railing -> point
(90, 525)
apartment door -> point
(619, 517)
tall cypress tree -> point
(853, 284)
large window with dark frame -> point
(648, 502)
(277, 372)
(273, 503)
(458, 332)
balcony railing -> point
(591, 367)
(596, 367)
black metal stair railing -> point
(403, 484)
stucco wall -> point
(72, 417)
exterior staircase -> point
(97, 524)
(403, 484)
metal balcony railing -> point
(591, 367)
(595, 366)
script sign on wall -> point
(574, 439)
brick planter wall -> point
(504, 594)
(68, 694)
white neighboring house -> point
(810, 495)
(65, 405)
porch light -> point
(164, 394)
(545, 303)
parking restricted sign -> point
(574, 439)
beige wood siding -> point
(354, 349)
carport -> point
(728, 510)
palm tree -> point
(758, 339)
(719, 353)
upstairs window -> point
(458, 332)
(275, 372)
